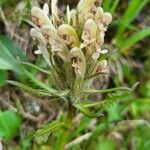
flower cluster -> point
(72, 42)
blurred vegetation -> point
(125, 123)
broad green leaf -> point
(105, 144)
(16, 52)
(6, 55)
(4, 65)
(114, 113)
(9, 124)
(3, 77)
(10, 55)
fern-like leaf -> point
(29, 89)
(41, 135)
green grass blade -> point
(132, 40)
(131, 13)
(114, 6)
(106, 4)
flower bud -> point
(100, 38)
(84, 7)
(68, 15)
(69, 35)
(78, 62)
(73, 15)
(89, 32)
(101, 66)
(99, 15)
(46, 8)
(40, 17)
(57, 44)
(54, 10)
(104, 51)
(107, 18)
(37, 35)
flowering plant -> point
(71, 45)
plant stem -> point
(63, 138)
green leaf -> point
(105, 144)
(102, 104)
(36, 67)
(133, 39)
(114, 113)
(16, 52)
(106, 4)
(134, 8)
(37, 92)
(3, 77)
(145, 89)
(4, 65)
(5, 3)
(9, 55)
(114, 6)
(84, 123)
(139, 106)
(41, 135)
(87, 112)
(9, 124)
(44, 86)
(107, 90)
